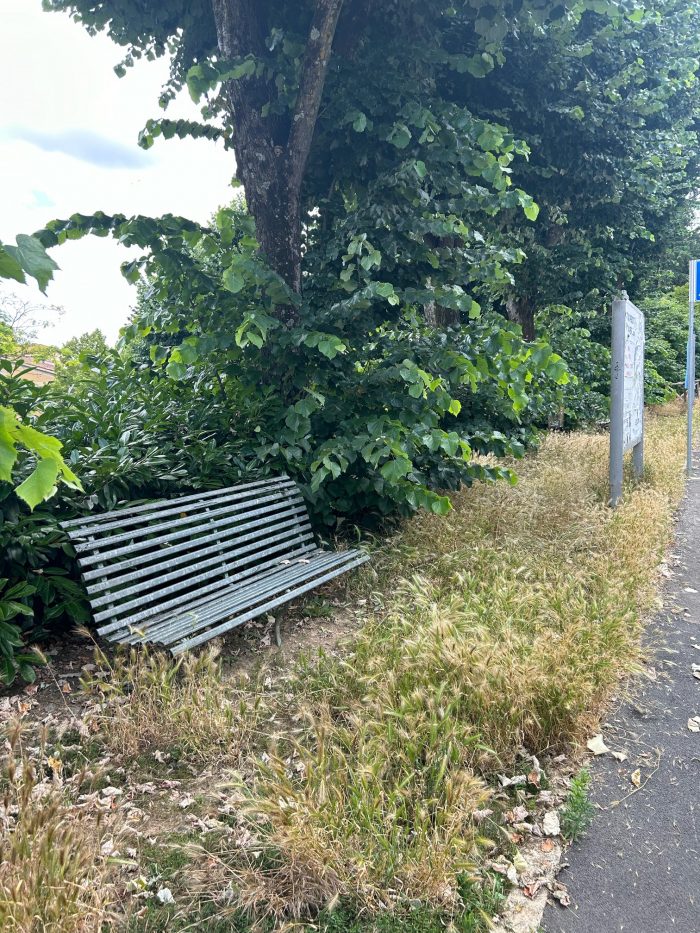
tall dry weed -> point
(152, 702)
(52, 878)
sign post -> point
(627, 393)
(694, 294)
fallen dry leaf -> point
(516, 815)
(636, 778)
(480, 815)
(694, 724)
(512, 781)
(530, 890)
(560, 893)
(597, 745)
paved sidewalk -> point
(638, 868)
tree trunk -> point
(521, 311)
(272, 152)
(439, 316)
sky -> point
(68, 142)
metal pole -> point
(617, 400)
(690, 364)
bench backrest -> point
(147, 560)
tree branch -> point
(313, 76)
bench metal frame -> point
(178, 572)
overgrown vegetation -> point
(359, 786)
(505, 627)
(51, 874)
(152, 702)
(441, 199)
(450, 224)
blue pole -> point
(690, 359)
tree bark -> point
(271, 152)
(439, 316)
(521, 311)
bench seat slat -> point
(202, 610)
(274, 579)
(250, 600)
(185, 578)
(173, 596)
(178, 602)
(271, 604)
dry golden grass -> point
(187, 705)
(52, 879)
(505, 626)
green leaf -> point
(394, 470)
(400, 136)
(491, 138)
(440, 505)
(40, 484)
(233, 280)
(532, 210)
(359, 124)
(34, 259)
(10, 267)
(176, 370)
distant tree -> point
(26, 316)
(78, 350)
(9, 348)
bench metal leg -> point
(278, 633)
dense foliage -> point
(24, 538)
(440, 201)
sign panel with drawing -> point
(627, 392)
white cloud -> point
(66, 98)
